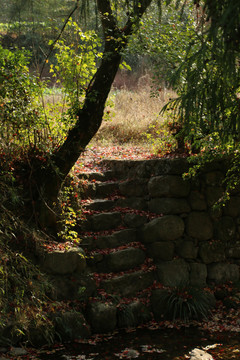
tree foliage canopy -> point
(208, 81)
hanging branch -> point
(58, 37)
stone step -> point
(144, 169)
(102, 221)
(104, 316)
(114, 240)
(106, 189)
(132, 314)
(127, 188)
(133, 187)
(100, 205)
(105, 221)
(134, 203)
(98, 176)
(121, 260)
(100, 190)
(121, 167)
(60, 262)
(132, 175)
(94, 224)
(137, 203)
(128, 284)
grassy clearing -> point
(131, 116)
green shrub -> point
(20, 114)
(76, 65)
(160, 137)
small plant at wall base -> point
(186, 303)
(68, 215)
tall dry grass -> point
(132, 115)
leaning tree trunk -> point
(89, 117)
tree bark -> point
(89, 117)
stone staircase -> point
(116, 259)
(145, 228)
(114, 212)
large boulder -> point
(64, 262)
(106, 221)
(73, 287)
(105, 189)
(125, 259)
(220, 273)
(129, 284)
(173, 273)
(16, 351)
(71, 325)
(116, 239)
(133, 220)
(165, 228)
(168, 185)
(133, 314)
(125, 235)
(102, 316)
(187, 249)
(197, 201)
(134, 187)
(212, 252)
(175, 166)
(226, 229)
(161, 250)
(199, 225)
(168, 206)
(100, 205)
(198, 274)
(145, 169)
(137, 203)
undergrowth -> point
(25, 292)
(23, 287)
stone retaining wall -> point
(157, 230)
(191, 242)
